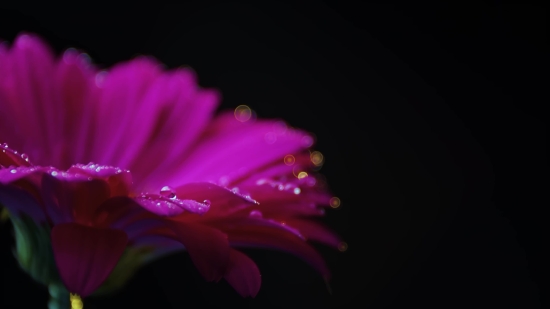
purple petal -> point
(85, 256)
(243, 274)
(208, 248)
(165, 206)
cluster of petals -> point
(165, 169)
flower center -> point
(76, 301)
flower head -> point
(164, 171)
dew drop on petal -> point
(4, 145)
(168, 192)
(255, 214)
(297, 190)
(207, 202)
(25, 157)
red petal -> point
(222, 200)
(10, 157)
(73, 195)
(85, 256)
(208, 248)
(243, 274)
(119, 180)
(277, 238)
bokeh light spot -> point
(335, 202)
(243, 113)
(289, 160)
(317, 158)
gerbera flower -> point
(208, 182)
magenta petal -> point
(74, 196)
(222, 199)
(119, 180)
(10, 157)
(166, 206)
(243, 274)
(208, 248)
(85, 256)
(20, 202)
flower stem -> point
(59, 297)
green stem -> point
(59, 297)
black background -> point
(429, 117)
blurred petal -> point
(85, 255)
(243, 274)
(20, 202)
(208, 248)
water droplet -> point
(297, 191)
(207, 202)
(255, 214)
(25, 157)
(54, 173)
(4, 145)
(168, 192)
(13, 171)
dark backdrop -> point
(429, 116)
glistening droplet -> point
(168, 192)
(255, 214)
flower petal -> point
(85, 256)
(222, 200)
(74, 197)
(119, 180)
(243, 274)
(254, 235)
(20, 202)
(10, 157)
(246, 147)
(208, 248)
(169, 207)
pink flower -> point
(209, 182)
